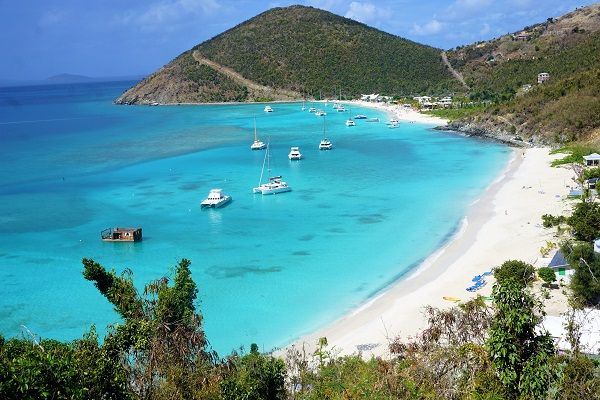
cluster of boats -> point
(275, 184)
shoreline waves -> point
(504, 223)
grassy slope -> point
(320, 51)
(564, 109)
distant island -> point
(69, 78)
(62, 79)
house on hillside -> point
(543, 77)
(526, 87)
(522, 36)
(422, 99)
(371, 97)
(446, 102)
(592, 160)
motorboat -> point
(320, 113)
(268, 109)
(215, 199)
(350, 122)
(341, 108)
(312, 110)
(325, 144)
(295, 154)
(360, 116)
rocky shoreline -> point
(489, 132)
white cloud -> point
(471, 4)
(366, 12)
(430, 28)
(329, 5)
(168, 12)
(485, 29)
(52, 17)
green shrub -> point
(515, 270)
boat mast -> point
(255, 128)
(263, 166)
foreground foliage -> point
(159, 351)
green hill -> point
(292, 52)
(562, 109)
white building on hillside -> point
(543, 77)
(592, 160)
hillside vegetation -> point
(297, 52)
(564, 108)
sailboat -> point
(325, 143)
(275, 184)
(350, 121)
(257, 144)
(303, 105)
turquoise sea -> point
(268, 268)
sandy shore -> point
(505, 223)
(401, 113)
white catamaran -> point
(275, 184)
(257, 144)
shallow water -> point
(268, 268)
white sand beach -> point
(505, 223)
(401, 113)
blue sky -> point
(103, 38)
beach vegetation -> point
(585, 281)
(548, 275)
(549, 220)
(48, 369)
(520, 355)
(254, 376)
(585, 221)
(452, 114)
(518, 271)
(591, 173)
(574, 153)
(158, 351)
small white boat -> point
(268, 109)
(215, 199)
(303, 106)
(325, 144)
(350, 122)
(275, 184)
(257, 144)
(360, 116)
(312, 110)
(341, 108)
(394, 125)
(295, 154)
(372, 120)
(393, 122)
(320, 113)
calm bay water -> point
(268, 268)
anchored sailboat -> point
(275, 184)
(257, 144)
(325, 143)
